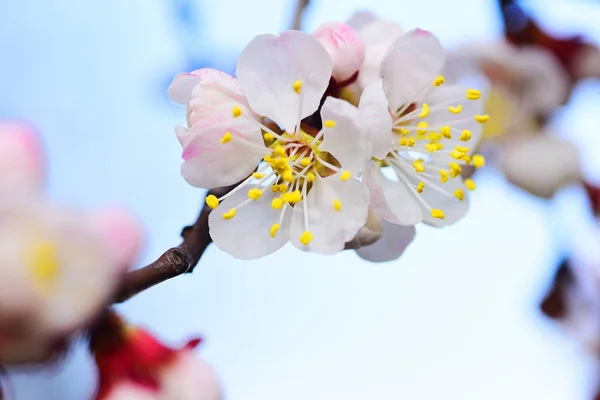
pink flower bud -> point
(345, 48)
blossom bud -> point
(345, 48)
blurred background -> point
(457, 317)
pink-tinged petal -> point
(188, 377)
(393, 201)
(346, 141)
(369, 233)
(180, 89)
(376, 119)
(21, 159)
(121, 233)
(247, 235)
(131, 391)
(272, 69)
(344, 46)
(410, 67)
(331, 227)
(395, 239)
(223, 154)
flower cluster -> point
(59, 266)
(336, 138)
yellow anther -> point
(268, 159)
(226, 137)
(425, 111)
(279, 188)
(459, 194)
(305, 162)
(455, 110)
(277, 203)
(296, 196)
(337, 205)
(279, 150)
(254, 194)
(457, 155)
(431, 147)
(236, 112)
(212, 201)
(274, 229)
(473, 94)
(404, 131)
(445, 131)
(268, 137)
(437, 213)
(443, 176)
(418, 166)
(310, 177)
(438, 146)
(422, 127)
(420, 187)
(287, 176)
(258, 175)
(410, 142)
(329, 123)
(455, 169)
(465, 136)
(297, 87)
(229, 214)
(306, 237)
(344, 176)
(466, 158)
(482, 118)
(291, 197)
(462, 149)
(439, 81)
(478, 160)
(403, 142)
(470, 184)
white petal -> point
(270, 65)
(441, 196)
(346, 141)
(180, 89)
(209, 163)
(376, 119)
(247, 235)
(392, 244)
(331, 229)
(411, 65)
(378, 36)
(541, 164)
(393, 201)
(369, 233)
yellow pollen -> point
(410, 142)
(420, 187)
(445, 131)
(44, 264)
(462, 149)
(404, 131)
(439, 146)
(236, 112)
(403, 142)
(418, 165)
(229, 214)
(258, 175)
(455, 169)
(279, 151)
(268, 137)
(337, 205)
(297, 87)
(212, 201)
(310, 177)
(459, 194)
(274, 229)
(437, 213)
(470, 184)
(277, 203)
(482, 118)
(431, 147)
(306, 237)
(226, 137)
(466, 158)
(329, 123)
(439, 81)
(344, 176)
(478, 160)
(288, 176)
(455, 110)
(254, 194)
(473, 94)
(422, 127)
(291, 197)
(425, 112)
(465, 136)
(443, 176)
(305, 161)
(457, 155)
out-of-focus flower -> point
(132, 364)
(541, 164)
(345, 48)
(304, 189)
(435, 130)
(58, 266)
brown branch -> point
(299, 13)
(175, 261)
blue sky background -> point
(455, 318)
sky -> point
(455, 318)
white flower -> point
(305, 188)
(345, 48)
(436, 128)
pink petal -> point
(121, 233)
(344, 46)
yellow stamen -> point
(462, 149)
(455, 169)
(420, 187)
(277, 203)
(473, 94)
(422, 127)
(310, 177)
(465, 136)
(478, 160)
(329, 123)
(459, 194)
(470, 184)
(226, 137)
(482, 118)
(274, 229)
(288, 176)
(431, 147)
(410, 142)
(254, 194)
(425, 111)
(455, 110)
(443, 176)
(268, 137)
(306, 237)
(305, 161)
(337, 205)
(212, 201)
(297, 87)
(437, 213)
(344, 176)
(229, 214)
(418, 166)
(258, 175)
(404, 131)
(445, 131)
(439, 81)
(236, 112)
(279, 150)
